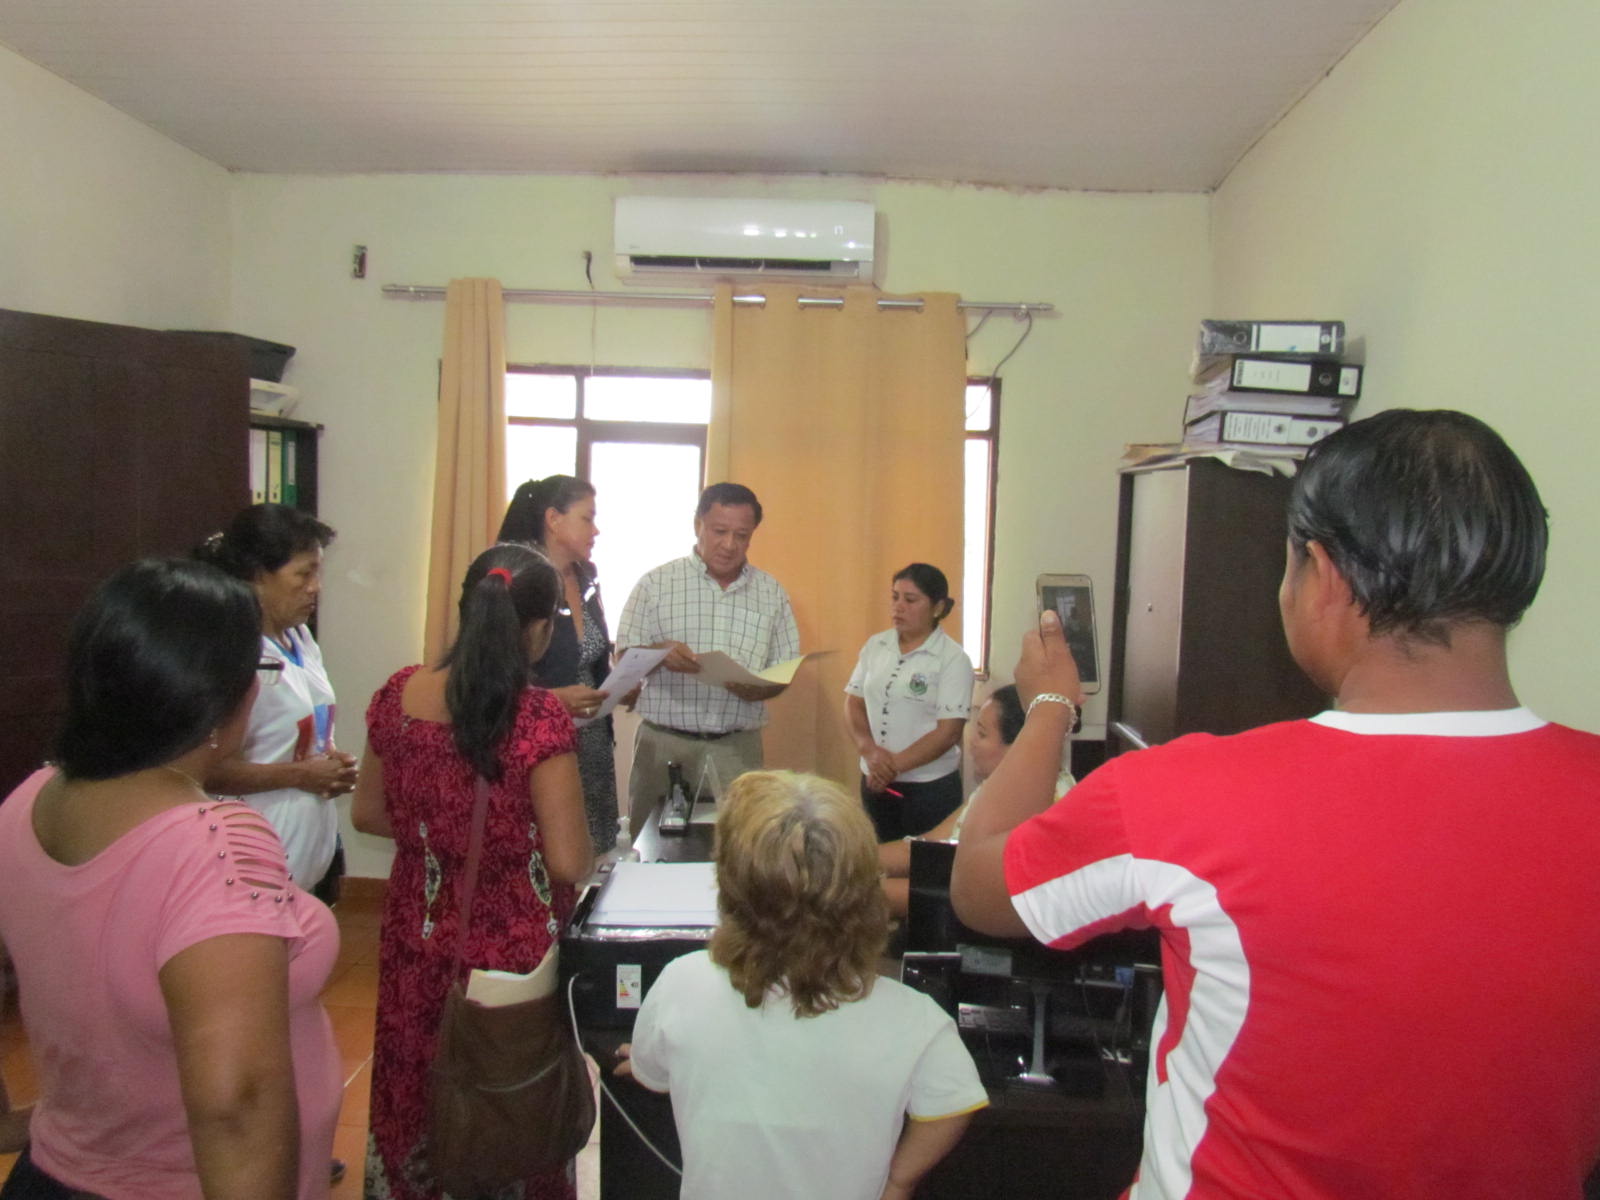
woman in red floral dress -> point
(431, 732)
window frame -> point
(590, 430)
(980, 666)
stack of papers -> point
(657, 894)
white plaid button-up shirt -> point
(750, 620)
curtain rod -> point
(409, 291)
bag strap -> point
(469, 881)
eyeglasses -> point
(268, 672)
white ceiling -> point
(1121, 95)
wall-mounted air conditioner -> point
(663, 238)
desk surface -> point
(1028, 1143)
(652, 846)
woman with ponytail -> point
(905, 706)
(432, 733)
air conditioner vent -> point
(683, 262)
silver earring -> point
(213, 743)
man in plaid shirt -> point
(711, 599)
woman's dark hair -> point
(931, 583)
(163, 652)
(524, 519)
(1012, 716)
(507, 587)
(1429, 516)
(729, 495)
(262, 538)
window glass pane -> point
(534, 451)
(647, 398)
(529, 395)
(975, 560)
(980, 407)
(644, 504)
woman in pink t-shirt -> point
(169, 969)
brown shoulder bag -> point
(511, 1095)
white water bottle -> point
(623, 851)
(620, 851)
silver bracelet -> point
(1054, 698)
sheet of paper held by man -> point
(717, 668)
(636, 662)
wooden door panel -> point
(115, 443)
(49, 446)
(1237, 670)
(1198, 645)
(1158, 517)
(190, 455)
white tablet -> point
(1072, 598)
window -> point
(977, 568)
(640, 437)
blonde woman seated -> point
(998, 723)
(795, 1071)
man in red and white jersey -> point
(1380, 926)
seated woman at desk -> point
(795, 1070)
(999, 721)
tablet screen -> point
(1074, 605)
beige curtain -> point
(469, 478)
(849, 425)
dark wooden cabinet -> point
(1197, 643)
(115, 443)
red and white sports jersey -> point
(1381, 946)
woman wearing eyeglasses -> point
(288, 768)
(169, 970)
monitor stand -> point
(1036, 1075)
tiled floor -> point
(351, 997)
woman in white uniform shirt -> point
(288, 768)
(906, 704)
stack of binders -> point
(1268, 387)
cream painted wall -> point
(1129, 274)
(1438, 191)
(102, 218)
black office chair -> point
(950, 961)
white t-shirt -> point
(291, 721)
(778, 1106)
(907, 695)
